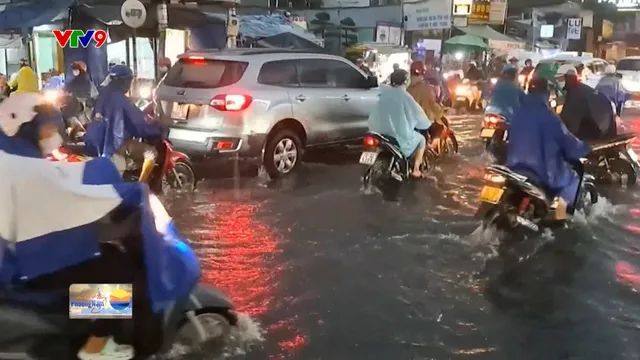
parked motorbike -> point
(173, 169)
(468, 96)
(387, 167)
(613, 161)
(510, 200)
(495, 135)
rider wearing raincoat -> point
(43, 250)
(611, 86)
(117, 122)
(398, 115)
(541, 148)
(424, 94)
(507, 94)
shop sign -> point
(480, 12)
(428, 15)
(462, 7)
(497, 12)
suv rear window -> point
(205, 73)
(629, 65)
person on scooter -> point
(25, 80)
(424, 94)
(611, 86)
(507, 95)
(588, 114)
(541, 148)
(473, 73)
(398, 115)
(81, 86)
(118, 122)
(164, 64)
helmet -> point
(610, 69)
(509, 70)
(566, 69)
(528, 61)
(417, 68)
(164, 62)
(79, 65)
(538, 85)
(120, 71)
(398, 77)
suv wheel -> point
(282, 154)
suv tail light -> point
(231, 102)
(492, 120)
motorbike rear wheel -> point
(181, 177)
(622, 168)
(379, 175)
(216, 332)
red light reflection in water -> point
(241, 266)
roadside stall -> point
(380, 57)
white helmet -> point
(610, 69)
(18, 109)
(566, 69)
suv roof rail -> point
(257, 51)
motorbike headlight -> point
(494, 81)
(51, 96)
(553, 103)
(462, 89)
(144, 91)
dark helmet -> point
(509, 72)
(121, 77)
(417, 68)
(539, 85)
(528, 62)
(398, 77)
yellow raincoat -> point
(26, 80)
(425, 96)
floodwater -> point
(322, 270)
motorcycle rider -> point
(424, 94)
(588, 114)
(27, 130)
(473, 73)
(541, 148)
(507, 96)
(514, 62)
(398, 115)
(164, 64)
(26, 79)
(611, 86)
(118, 122)
(528, 68)
(81, 86)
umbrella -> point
(467, 40)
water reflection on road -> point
(331, 273)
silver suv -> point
(264, 104)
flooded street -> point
(325, 271)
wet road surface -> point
(325, 271)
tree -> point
(349, 32)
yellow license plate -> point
(491, 194)
(487, 133)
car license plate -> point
(180, 111)
(632, 154)
(491, 194)
(487, 133)
(368, 157)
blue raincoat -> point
(121, 120)
(505, 99)
(54, 83)
(398, 115)
(540, 147)
(610, 86)
(39, 236)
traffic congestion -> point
(420, 210)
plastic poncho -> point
(26, 81)
(424, 94)
(120, 121)
(612, 88)
(587, 113)
(396, 114)
(540, 147)
(50, 221)
(54, 83)
(506, 98)
(81, 87)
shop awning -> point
(496, 39)
(466, 40)
(31, 14)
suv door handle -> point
(346, 97)
(301, 98)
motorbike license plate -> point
(491, 194)
(487, 133)
(368, 157)
(632, 154)
(180, 111)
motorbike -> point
(173, 169)
(468, 96)
(76, 112)
(494, 133)
(613, 161)
(510, 200)
(387, 167)
(41, 327)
